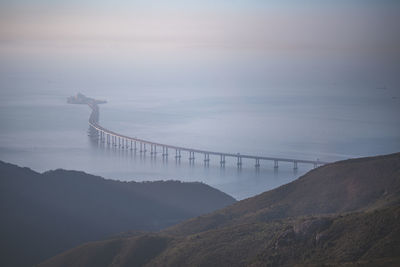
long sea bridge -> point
(120, 141)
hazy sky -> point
(267, 40)
(333, 25)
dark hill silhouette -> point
(342, 213)
(45, 214)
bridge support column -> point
(206, 159)
(294, 165)
(191, 156)
(141, 147)
(165, 151)
(276, 164)
(257, 163)
(222, 161)
(144, 147)
(239, 162)
(131, 145)
(177, 154)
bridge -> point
(120, 141)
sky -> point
(326, 25)
(284, 36)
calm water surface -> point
(229, 108)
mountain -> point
(45, 214)
(345, 213)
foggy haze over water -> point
(226, 83)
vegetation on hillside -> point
(346, 213)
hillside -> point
(45, 214)
(368, 238)
(347, 212)
(344, 186)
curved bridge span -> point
(120, 141)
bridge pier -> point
(294, 165)
(276, 166)
(141, 147)
(257, 163)
(222, 161)
(191, 156)
(206, 159)
(239, 162)
(165, 151)
(177, 154)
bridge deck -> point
(93, 122)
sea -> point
(325, 107)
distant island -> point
(82, 99)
